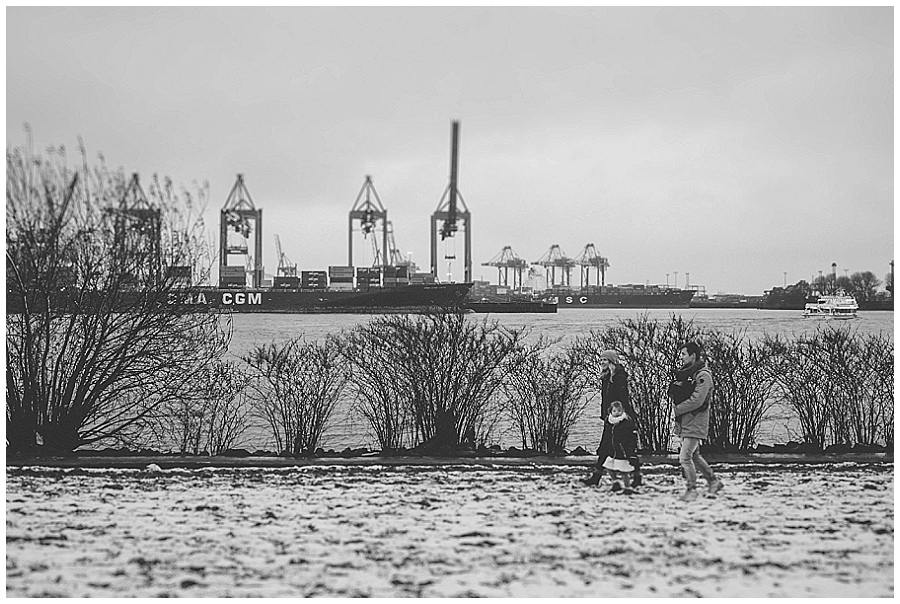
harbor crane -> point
(376, 253)
(368, 211)
(505, 260)
(590, 258)
(137, 227)
(451, 209)
(395, 257)
(241, 216)
(556, 259)
(285, 268)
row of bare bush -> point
(440, 382)
(839, 385)
(836, 384)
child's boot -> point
(617, 484)
(626, 478)
(593, 479)
(636, 480)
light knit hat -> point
(610, 355)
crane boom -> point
(449, 227)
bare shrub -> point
(445, 369)
(840, 352)
(744, 387)
(296, 388)
(546, 395)
(94, 344)
(648, 349)
(212, 418)
(383, 399)
(862, 368)
(839, 384)
(803, 384)
(867, 385)
(875, 418)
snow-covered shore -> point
(448, 530)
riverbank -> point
(376, 459)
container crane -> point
(553, 259)
(589, 257)
(395, 257)
(368, 211)
(240, 216)
(137, 229)
(376, 253)
(452, 208)
(285, 268)
(505, 260)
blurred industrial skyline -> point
(745, 146)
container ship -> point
(310, 293)
(411, 298)
(340, 289)
(343, 289)
(622, 296)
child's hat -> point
(610, 355)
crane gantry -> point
(286, 274)
(452, 208)
(554, 259)
(505, 260)
(394, 255)
(285, 268)
(240, 216)
(368, 211)
(590, 258)
(137, 226)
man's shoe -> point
(690, 495)
(628, 491)
(616, 486)
(715, 486)
(592, 480)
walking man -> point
(692, 420)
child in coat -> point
(623, 443)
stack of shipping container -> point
(421, 278)
(396, 276)
(340, 277)
(317, 280)
(287, 282)
(232, 276)
(367, 277)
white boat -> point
(839, 306)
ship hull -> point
(409, 298)
(665, 299)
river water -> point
(346, 430)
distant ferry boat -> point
(838, 306)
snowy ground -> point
(454, 531)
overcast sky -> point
(732, 144)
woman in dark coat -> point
(613, 387)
